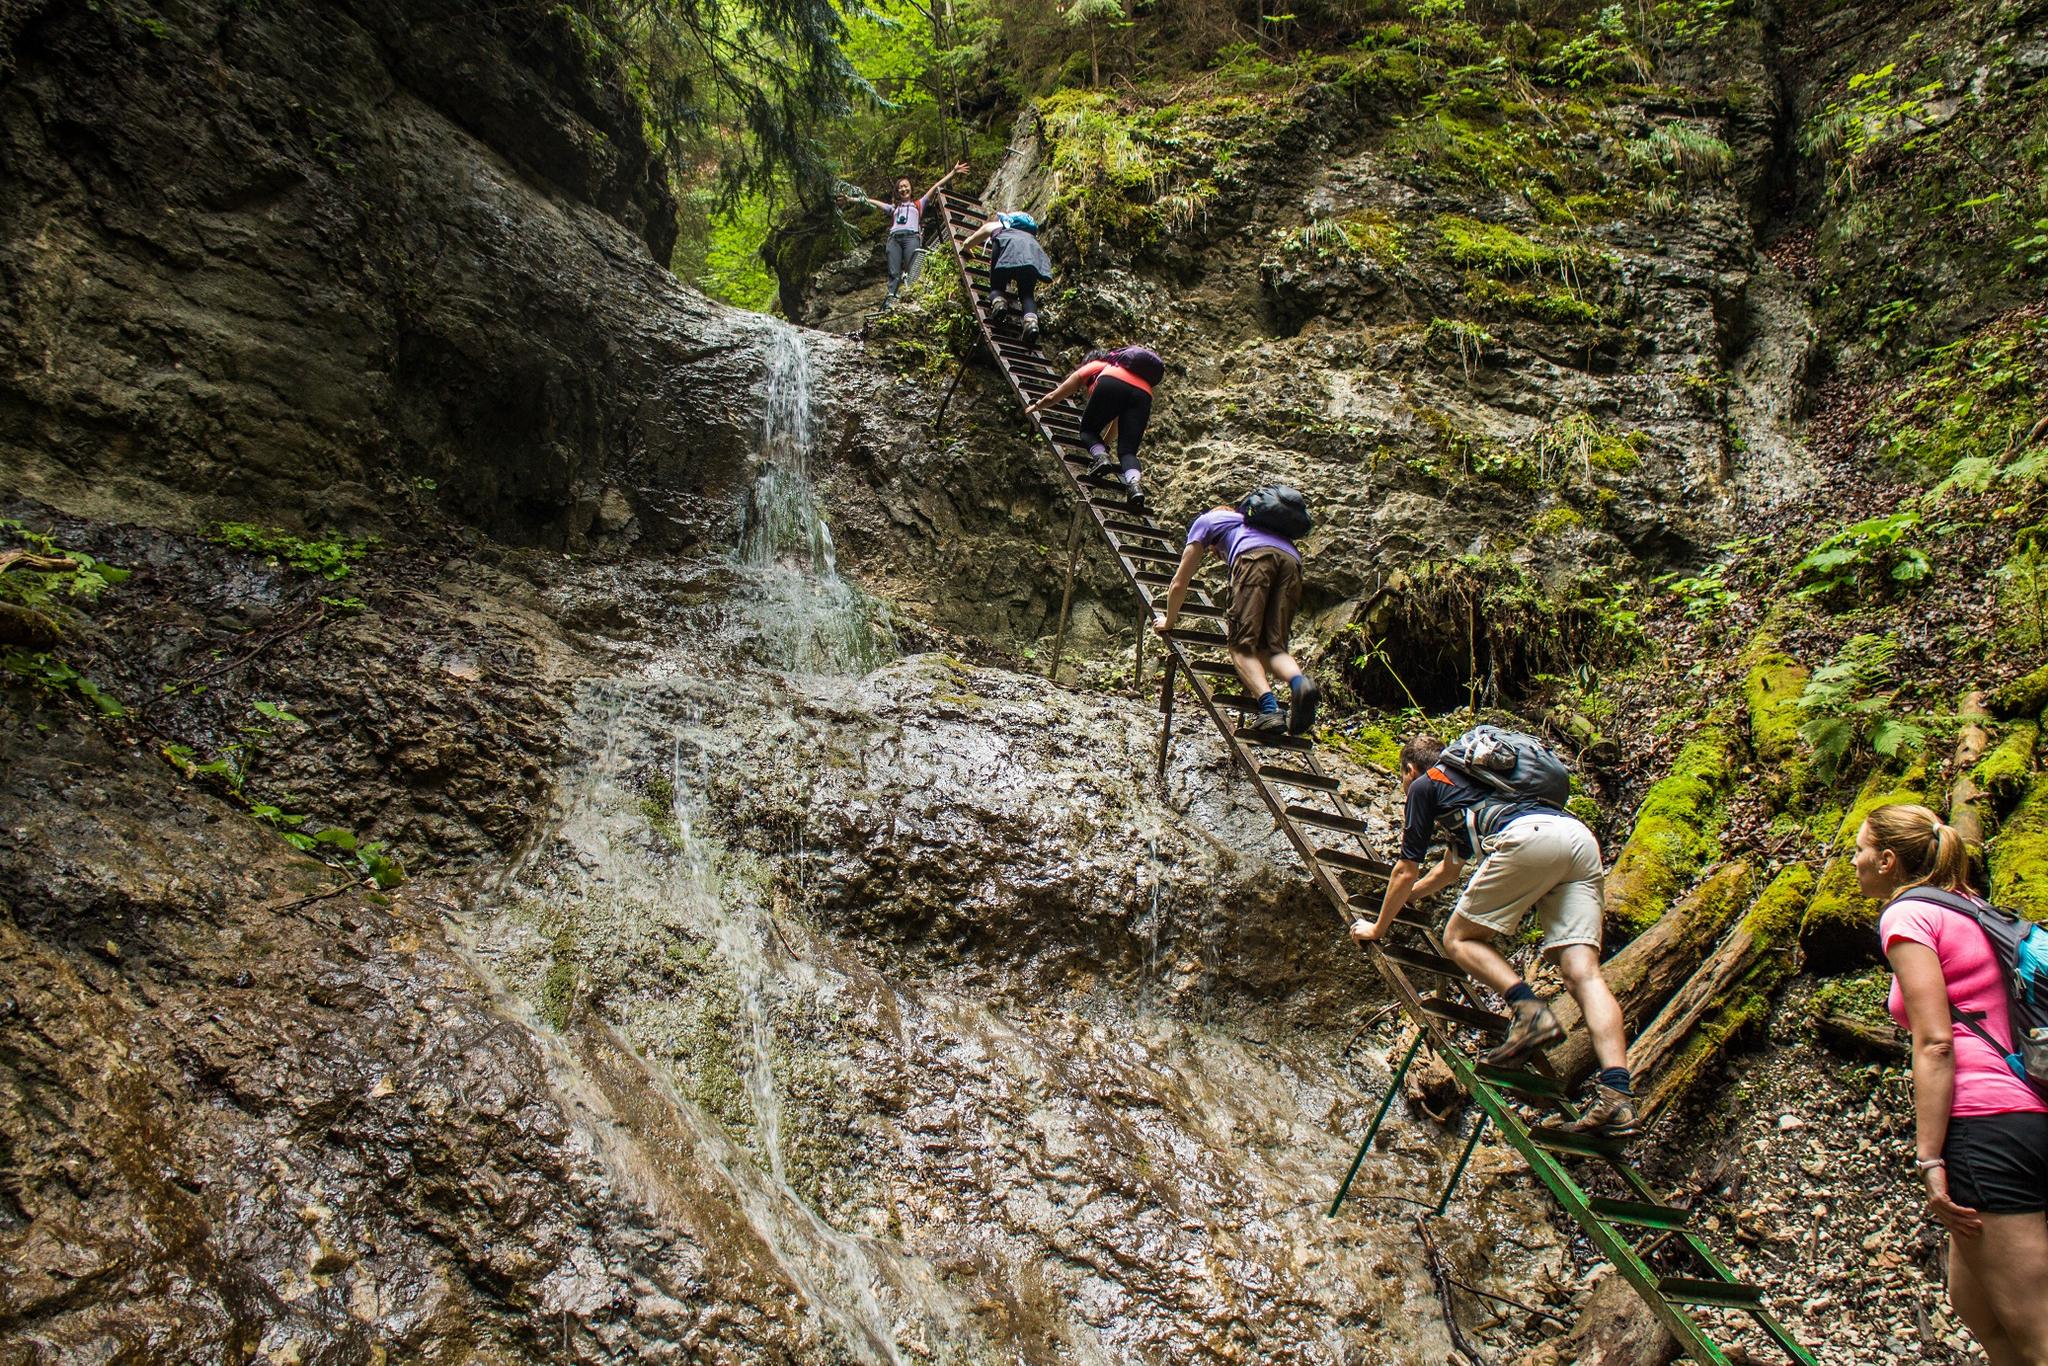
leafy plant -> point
(1874, 555)
(328, 557)
(1848, 706)
(1705, 595)
(53, 675)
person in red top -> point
(1120, 391)
(1981, 1132)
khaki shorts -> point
(1549, 862)
(1265, 589)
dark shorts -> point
(1998, 1164)
(1265, 588)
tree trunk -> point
(1965, 798)
(1595, 749)
(1094, 59)
(1654, 965)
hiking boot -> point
(1301, 713)
(1030, 327)
(1134, 499)
(1262, 724)
(1533, 1027)
(1611, 1115)
(995, 306)
(1102, 468)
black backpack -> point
(1278, 508)
(2021, 948)
(1519, 767)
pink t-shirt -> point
(1984, 1084)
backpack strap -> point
(1955, 901)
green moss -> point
(2018, 856)
(1840, 924)
(1774, 920)
(1554, 521)
(1494, 249)
(1860, 996)
(1969, 402)
(1674, 833)
(1555, 305)
(558, 985)
(1366, 743)
(1770, 694)
(1617, 453)
(1585, 808)
(2004, 771)
(2024, 696)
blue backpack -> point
(2021, 948)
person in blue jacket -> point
(1015, 259)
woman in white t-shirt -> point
(1980, 1132)
(906, 224)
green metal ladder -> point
(1655, 1246)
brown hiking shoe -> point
(1533, 1027)
(1611, 1115)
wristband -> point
(1927, 1164)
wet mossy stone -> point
(2018, 856)
(1839, 929)
(1674, 833)
(2006, 769)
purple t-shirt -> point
(1225, 529)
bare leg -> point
(1579, 965)
(2007, 1265)
(1252, 672)
(1966, 1292)
(1470, 946)
(1283, 666)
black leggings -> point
(1112, 400)
(1024, 277)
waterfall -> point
(808, 618)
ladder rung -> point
(1215, 668)
(1299, 777)
(1328, 820)
(1273, 740)
(1522, 1081)
(1146, 553)
(1136, 528)
(1357, 863)
(1560, 1140)
(1472, 1017)
(1721, 1294)
(1640, 1214)
(1201, 609)
(1423, 960)
(1187, 635)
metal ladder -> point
(1652, 1244)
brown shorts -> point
(1265, 588)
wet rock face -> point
(307, 259)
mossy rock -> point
(1770, 693)
(1365, 743)
(2023, 696)
(2018, 856)
(1773, 921)
(1839, 929)
(2005, 771)
(1674, 833)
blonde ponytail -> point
(1931, 852)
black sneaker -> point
(1611, 1115)
(1533, 1027)
(1301, 713)
(1030, 327)
(995, 305)
(1102, 468)
(1263, 724)
(1134, 499)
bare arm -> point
(982, 234)
(1060, 392)
(1934, 1072)
(940, 183)
(1177, 591)
(1405, 884)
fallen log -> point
(1729, 993)
(1656, 963)
(1967, 805)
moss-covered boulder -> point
(1674, 833)
(2018, 855)
(1839, 929)
(2005, 771)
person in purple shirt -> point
(1265, 590)
(906, 225)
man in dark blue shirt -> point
(1531, 855)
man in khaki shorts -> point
(1530, 855)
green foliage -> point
(1848, 706)
(1705, 595)
(1870, 558)
(1877, 107)
(1965, 413)
(49, 674)
(327, 557)
(1683, 151)
(1599, 56)
(1860, 996)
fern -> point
(1848, 707)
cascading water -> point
(810, 619)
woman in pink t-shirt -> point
(1981, 1133)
